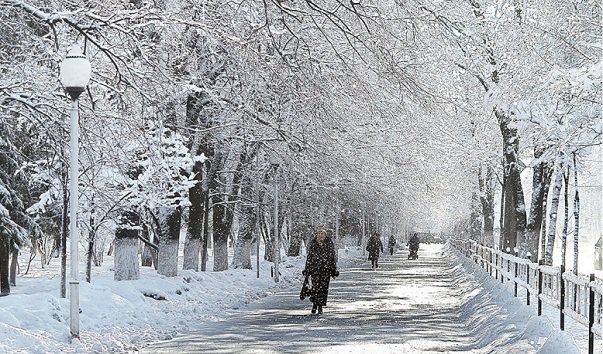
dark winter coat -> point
(321, 266)
(321, 258)
(392, 242)
(413, 243)
(373, 246)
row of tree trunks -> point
(247, 223)
(540, 181)
(514, 212)
(552, 222)
(200, 145)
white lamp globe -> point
(75, 72)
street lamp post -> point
(275, 162)
(74, 75)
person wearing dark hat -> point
(320, 266)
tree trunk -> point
(362, 235)
(337, 237)
(98, 254)
(111, 246)
(487, 200)
(4, 266)
(91, 237)
(247, 222)
(475, 219)
(169, 237)
(298, 231)
(60, 236)
(194, 231)
(223, 207)
(147, 252)
(14, 262)
(219, 226)
(201, 146)
(501, 219)
(565, 216)
(197, 116)
(486, 183)
(543, 227)
(552, 224)
(204, 248)
(221, 230)
(126, 247)
(267, 237)
(38, 249)
(576, 217)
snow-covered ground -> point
(502, 294)
(119, 317)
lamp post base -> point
(74, 308)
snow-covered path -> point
(405, 306)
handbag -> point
(306, 289)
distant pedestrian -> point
(391, 244)
(413, 246)
(374, 246)
(320, 267)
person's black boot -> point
(319, 309)
(314, 308)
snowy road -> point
(417, 306)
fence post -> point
(591, 316)
(502, 262)
(528, 269)
(561, 298)
(481, 255)
(539, 288)
(495, 256)
(515, 280)
(491, 260)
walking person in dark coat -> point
(391, 244)
(373, 246)
(413, 246)
(320, 266)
